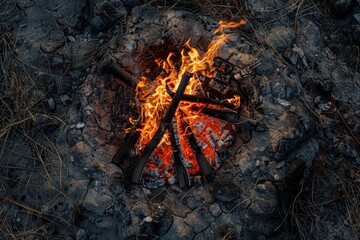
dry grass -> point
(22, 108)
(24, 148)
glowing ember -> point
(212, 134)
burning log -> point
(182, 174)
(198, 99)
(164, 125)
(125, 77)
(231, 117)
(125, 151)
(203, 164)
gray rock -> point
(279, 38)
(341, 8)
(310, 42)
(132, 3)
(97, 24)
(356, 34)
(51, 104)
(105, 222)
(78, 188)
(56, 61)
(306, 152)
(180, 230)
(175, 206)
(72, 136)
(224, 189)
(158, 224)
(143, 12)
(81, 234)
(215, 210)
(96, 202)
(52, 44)
(357, 17)
(264, 201)
(107, 13)
(197, 219)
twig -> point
(349, 129)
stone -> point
(215, 209)
(306, 152)
(340, 8)
(310, 41)
(143, 12)
(129, 4)
(175, 206)
(105, 222)
(50, 45)
(51, 104)
(78, 188)
(56, 61)
(158, 224)
(72, 136)
(107, 13)
(357, 17)
(264, 200)
(180, 230)
(96, 202)
(356, 34)
(81, 234)
(197, 219)
(279, 38)
(224, 189)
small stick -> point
(164, 125)
(124, 76)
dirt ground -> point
(63, 118)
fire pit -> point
(188, 114)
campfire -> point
(188, 114)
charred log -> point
(164, 125)
(201, 160)
(231, 117)
(125, 151)
(198, 99)
(182, 174)
(128, 80)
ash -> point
(64, 117)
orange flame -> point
(153, 99)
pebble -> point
(81, 234)
(340, 8)
(80, 125)
(71, 38)
(148, 219)
(357, 17)
(51, 104)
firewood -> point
(164, 125)
(182, 174)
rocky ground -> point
(64, 118)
